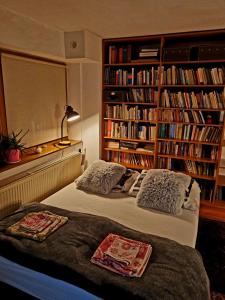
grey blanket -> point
(174, 271)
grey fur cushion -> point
(100, 177)
(161, 190)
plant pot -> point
(13, 156)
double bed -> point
(173, 237)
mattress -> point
(123, 209)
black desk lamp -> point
(71, 115)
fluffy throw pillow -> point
(161, 190)
(184, 179)
(100, 177)
(126, 181)
(133, 191)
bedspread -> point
(174, 271)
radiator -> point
(38, 184)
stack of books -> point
(121, 255)
(148, 53)
(128, 145)
(146, 148)
(112, 144)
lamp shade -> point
(70, 115)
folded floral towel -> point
(37, 225)
(122, 255)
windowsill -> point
(30, 154)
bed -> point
(174, 235)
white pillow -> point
(126, 181)
(133, 191)
(192, 199)
(100, 177)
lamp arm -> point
(62, 127)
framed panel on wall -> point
(35, 96)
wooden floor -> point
(212, 213)
(8, 292)
(211, 245)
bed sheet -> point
(123, 209)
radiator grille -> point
(39, 184)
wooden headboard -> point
(39, 183)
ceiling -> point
(118, 18)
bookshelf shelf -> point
(131, 86)
(203, 109)
(210, 161)
(132, 166)
(197, 124)
(131, 140)
(131, 103)
(188, 141)
(170, 96)
(194, 62)
(132, 120)
(204, 86)
(138, 63)
(201, 176)
(130, 151)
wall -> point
(25, 34)
(84, 94)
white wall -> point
(25, 34)
(84, 79)
(84, 94)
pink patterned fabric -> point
(37, 225)
(122, 255)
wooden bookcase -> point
(163, 100)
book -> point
(112, 144)
(128, 145)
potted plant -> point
(11, 147)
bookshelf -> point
(163, 100)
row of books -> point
(191, 116)
(166, 163)
(220, 193)
(202, 99)
(170, 76)
(169, 148)
(200, 76)
(206, 190)
(197, 168)
(119, 54)
(129, 130)
(127, 112)
(190, 132)
(148, 76)
(127, 145)
(145, 161)
(190, 150)
(144, 95)
(200, 168)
